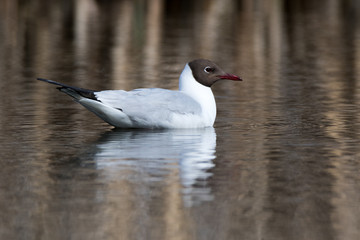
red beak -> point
(230, 77)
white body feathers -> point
(193, 106)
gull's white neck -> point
(202, 94)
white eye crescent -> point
(208, 69)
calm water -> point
(282, 161)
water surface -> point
(282, 161)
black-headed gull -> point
(192, 106)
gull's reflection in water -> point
(149, 157)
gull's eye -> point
(209, 69)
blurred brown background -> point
(282, 162)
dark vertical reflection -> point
(302, 151)
(287, 160)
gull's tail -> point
(87, 98)
(74, 92)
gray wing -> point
(153, 103)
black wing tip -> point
(43, 79)
(50, 81)
(81, 91)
